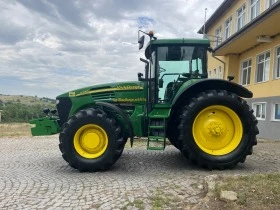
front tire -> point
(91, 141)
(217, 130)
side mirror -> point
(160, 83)
(141, 41)
(140, 75)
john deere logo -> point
(72, 94)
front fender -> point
(123, 115)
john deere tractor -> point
(206, 119)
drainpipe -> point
(221, 62)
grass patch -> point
(15, 129)
(158, 201)
(165, 200)
(139, 204)
(254, 192)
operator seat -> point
(168, 91)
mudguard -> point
(123, 115)
(210, 84)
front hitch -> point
(45, 126)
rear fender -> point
(209, 84)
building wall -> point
(267, 92)
(269, 128)
(215, 64)
(270, 87)
(233, 69)
(221, 22)
(232, 12)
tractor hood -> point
(115, 92)
(122, 93)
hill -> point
(27, 100)
(19, 108)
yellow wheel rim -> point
(217, 130)
(90, 141)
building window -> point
(240, 17)
(228, 25)
(218, 36)
(220, 73)
(263, 65)
(246, 72)
(214, 73)
(271, 2)
(260, 110)
(277, 63)
(276, 112)
(254, 8)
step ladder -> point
(156, 135)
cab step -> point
(156, 137)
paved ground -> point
(33, 175)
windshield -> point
(175, 62)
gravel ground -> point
(33, 175)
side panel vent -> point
(103, 96)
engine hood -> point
(105, 88)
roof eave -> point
(216, 15)
(249, 25)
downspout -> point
(221, 62)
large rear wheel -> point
(91, 141)
(217, 129)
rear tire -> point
(173, 133)
(217, 130)
(91, 141)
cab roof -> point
(181, 41)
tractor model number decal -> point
(129, 100)
(130, 87)
(118, 88)
(72, 94)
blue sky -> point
(49, 46)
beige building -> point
(245, 37)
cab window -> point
(173, 62)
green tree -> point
(17, 112)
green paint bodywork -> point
(45, 126)
(124, 93)
(129, 96)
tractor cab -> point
(172, 63)
(171, 66)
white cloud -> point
(49, 47)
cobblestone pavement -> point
(33, 175)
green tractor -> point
(206, 119)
